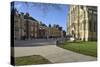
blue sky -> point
(47, 13)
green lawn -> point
(87, 48)
(29, 60)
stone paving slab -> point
(53, 53)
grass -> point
(87, 48)
(29, 60)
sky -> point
(47, 13)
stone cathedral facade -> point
(82, 22)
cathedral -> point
(82, 22)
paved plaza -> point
(50, 51)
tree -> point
(64, 33)
(49, 25)
(57, 26)
(44, 25)
(22, 13)
(60, 28)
